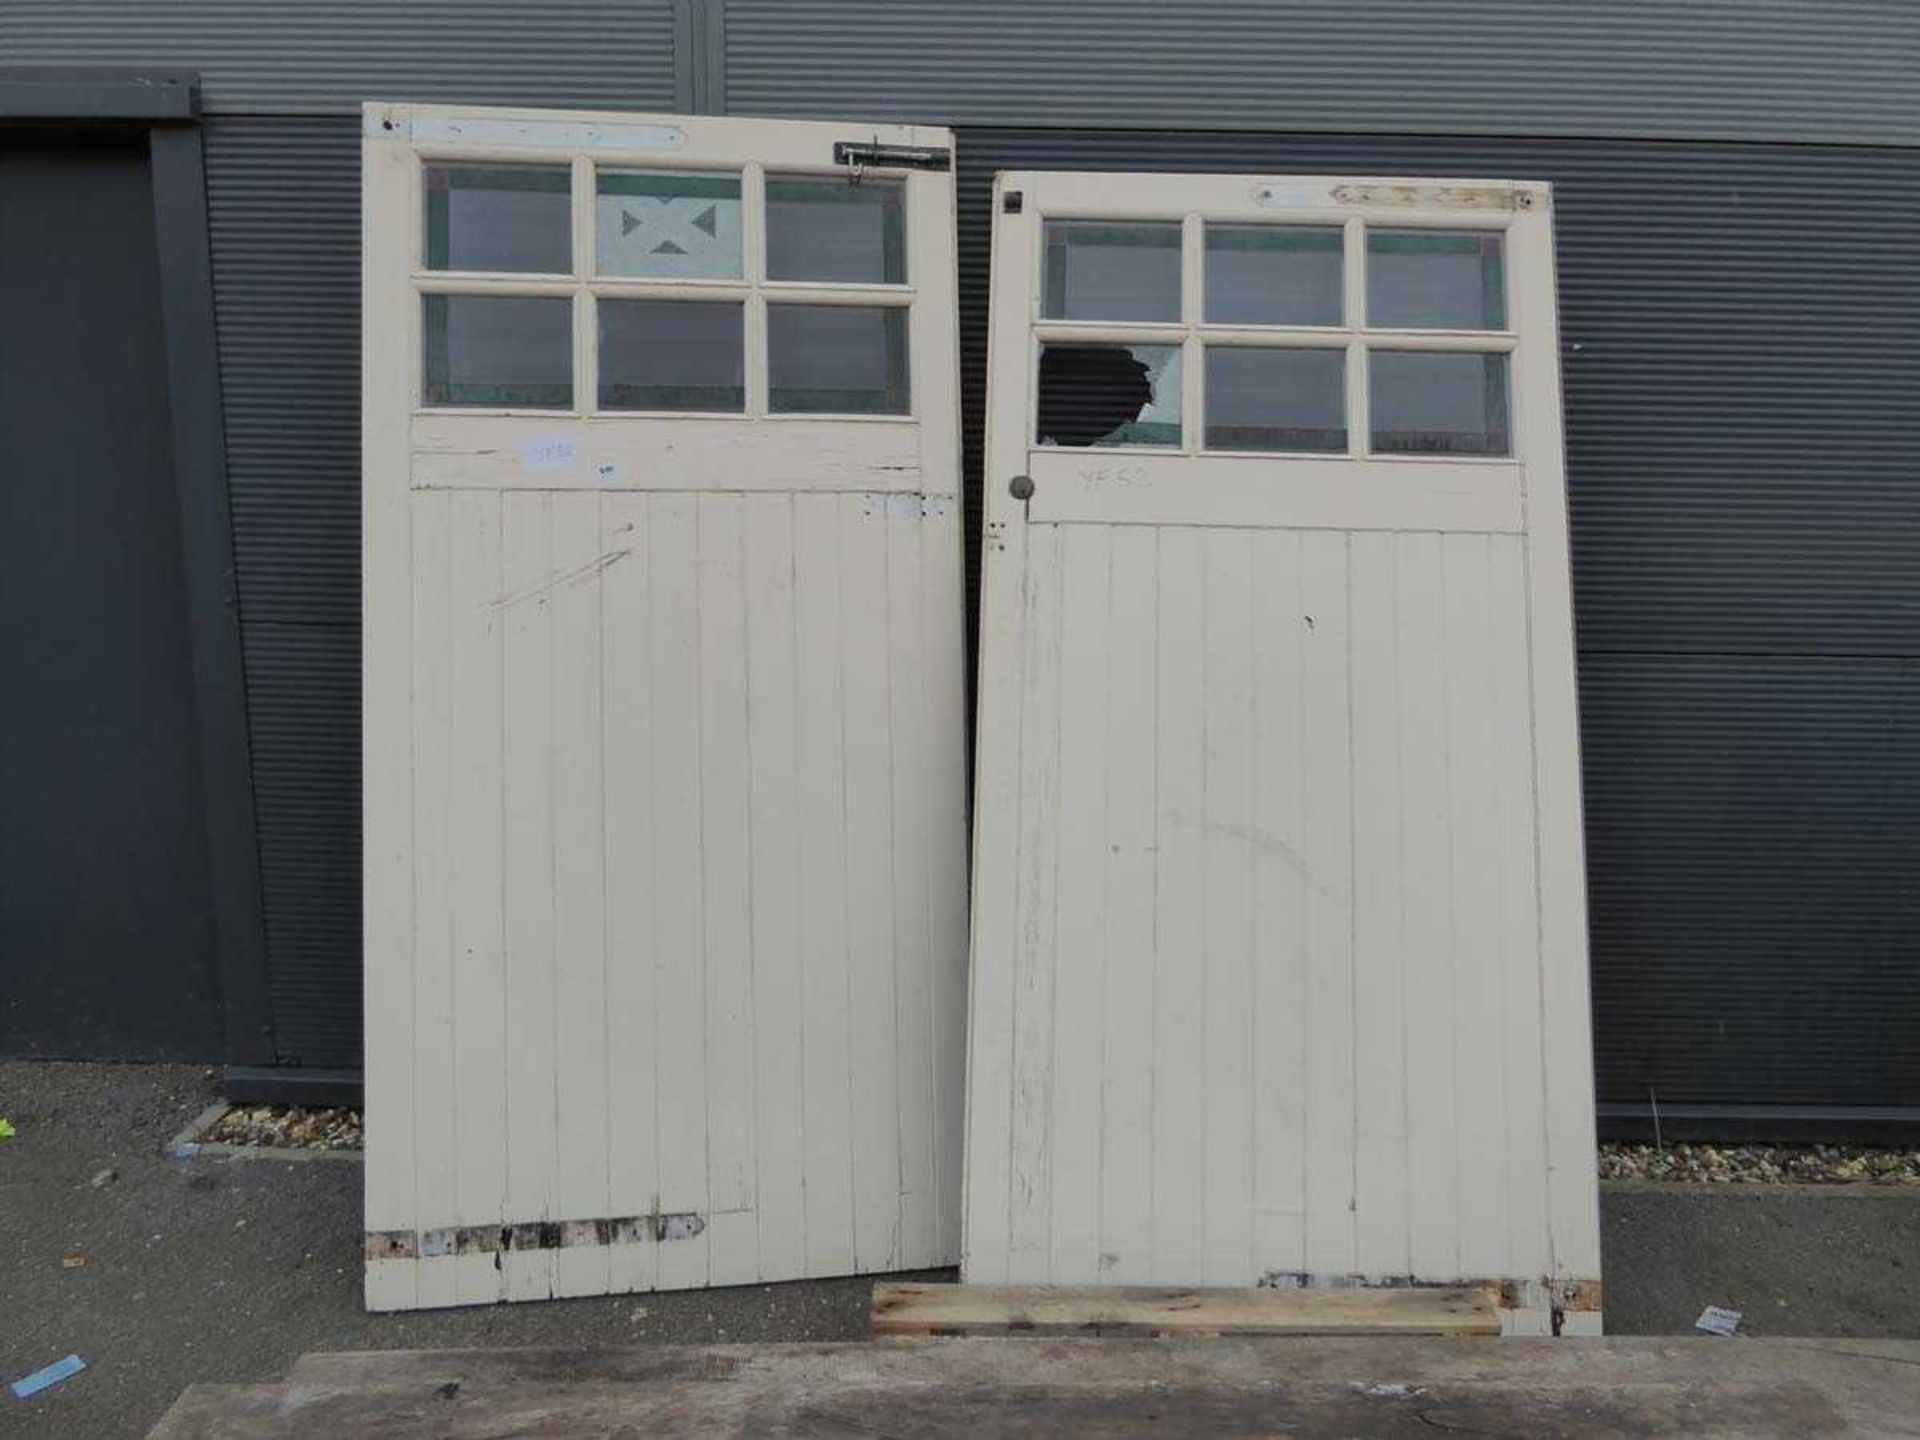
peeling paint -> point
(532, 1235)
(1409, 197)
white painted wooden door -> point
(665, 826)
(1279, 949)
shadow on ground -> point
(224, 1270)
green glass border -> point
(438, 237)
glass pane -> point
(1436, 279)
(499, 217)
(1109, 270)
(837, 359)
(1276, 399)
(497, 350)
(1275, 274)
(672, 355)
(830, 230)
(1109, 395)
(1439, 403)
(668, 223)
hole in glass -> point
(673, 224)
(1436, 279)
(499, 217)
(672, 355)
(1111, 270)
(1275, 274)
(1102, 395)
(1439, 403)
(497, 350)
(834, 232)
(837, 359)
(1292, 400)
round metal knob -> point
(1021, 487)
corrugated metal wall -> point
(282, 85)
(1787, 70)
(1740, 373)
(285, 57)
(1743, 359)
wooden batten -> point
(929, 1310)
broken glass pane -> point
(837, 359)
(835, 232)
(668, 224)
(1436, 279)
(497, 350)
(1276, 399)
(499, 217)
(1111, 270)
(1109, 395)
(672, 355)
(1275, 274)
(1439, 403)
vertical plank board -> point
(1280, 882)
(579, 875)
(632, 1019)
(1126, 1125)
(1426, 907)
(475, 884)
(1180, 920)
(1228, 1039)
(872, 1045)
(774, 850)
(392, 1193)
(525, 602)
(727, 891)
(987, 1182)
(1567, 1021)
(1327, 796)
(821, 760)
(1380, 1034)
(680, 978)
(946, 783)
(911, 943)
(1034, 949)
(1480, 1104)
(434, 976)
(1523, 1075)
(1080, 949)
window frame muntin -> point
(586, 287)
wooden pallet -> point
(1038, 1310)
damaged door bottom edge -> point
(537, 1235)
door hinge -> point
(865, 155)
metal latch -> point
(864, 155)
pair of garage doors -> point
(1278, 957)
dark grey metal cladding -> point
(1781, 70)
(316, 58)
(283, 201)
(1739, 375)
(1740, 368)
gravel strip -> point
(288, 1127)
(338, 1128)
(1761, 1164)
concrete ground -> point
(228, 1270)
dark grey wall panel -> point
(283, 199)
(1740, 370)
(283, 213)
(303, 694)
(1788, 70)
(317, 56)
(1754, 859)
(1740, 373)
